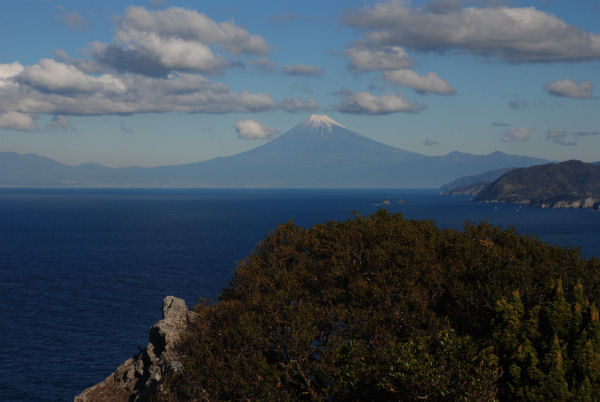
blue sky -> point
(167, 82)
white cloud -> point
(569, 89)
(253, 130)
(514, 34)
(56, 88)
(429, 82)
(155, 43)
(9, 71)
(366, 103)
(384, 58)
(190, 25)
(50, 75)
(302, 69)
(17, 121)
(132, 59)
(150, 66)
(517, 135)
(172, 53)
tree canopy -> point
(383, 308)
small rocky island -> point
(571, 184)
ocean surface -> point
(83, 272)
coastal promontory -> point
(570, 184)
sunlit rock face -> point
(141, 376)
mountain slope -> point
(320, 152)
(321, 140)
(317, 153)
(571, 184)
(473, 184)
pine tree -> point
(554, 384)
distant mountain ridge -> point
(317, 153)
(471, 185)
(570, 184)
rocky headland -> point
(571, 184)
(140, 377)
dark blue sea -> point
(83, 272)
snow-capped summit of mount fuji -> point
(321, 121)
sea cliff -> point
(140, 377)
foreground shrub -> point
(382, 308)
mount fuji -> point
(317, 153)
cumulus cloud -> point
(8, 72)
(303, 70)
(384, 58)
(253, 130)
(55, 88)
(429, 82)
(156, 56)
(569, 89)
(72, 19)
(52, 76)
(514, 34)
(158, 42)
(517, 135)
(17, 121)
(151, 67)
(134, 60)
(190, 25)
(366, 103)
(560, 137)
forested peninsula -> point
(381, 308)
(571, 184)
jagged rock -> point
(140, 376)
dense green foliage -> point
(382, 308)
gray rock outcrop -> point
(141, 375)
